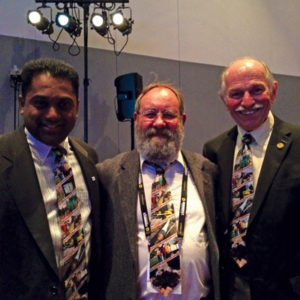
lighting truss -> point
(70, 10)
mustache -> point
(159, 131)
(255, 106)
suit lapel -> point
(279, 144)
(127, 189)
(29, 200)
(200, 178)
(225, 163)
(88, 170)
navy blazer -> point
(273, 230)
(28, 267)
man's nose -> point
(247, 100)
(52, 113)
(159, 120)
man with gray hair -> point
(258, 195)
(159, 238)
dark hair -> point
(55, 67)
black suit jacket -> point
(27, 261)
(119, 177)
(273, 231)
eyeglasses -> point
(151, 114)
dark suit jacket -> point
(27, 261)
(119, 177)
(273, 232)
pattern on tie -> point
(242, 199)
(73, 246)
(164, 243)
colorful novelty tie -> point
(73, 247)
(242, 199)
(165, 271)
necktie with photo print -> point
(165, 271)
(74, 263)
(242, 199)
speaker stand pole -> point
(132, 133)
(86, 78)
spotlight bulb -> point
(117, 18)
(97, 20)
(34, 17)
(62, 19)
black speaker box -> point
(128, 86)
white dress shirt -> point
(194, 260)
(43, 159)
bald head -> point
(243, 64)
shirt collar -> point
(179, 162)
(42, 150)
(261, 133)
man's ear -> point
(21, 104)
(274, 91)
(223, 98)
(183, 118)
(77, 113)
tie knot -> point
(247, 139)
(59, 151)
(158, 169)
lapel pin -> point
(280, 145)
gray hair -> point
(160, 84)
(268, 75)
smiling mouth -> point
(51, 127)
(248, 112)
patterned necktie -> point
(242, 199)
(164, 243)
(73, 246)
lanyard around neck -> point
(182, 210)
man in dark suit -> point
(31, 241)
(159, 121)
(268, 267)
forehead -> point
(160, 98)
(244, 73)
(45, 84)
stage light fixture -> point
(99, 22)
(121, 23)
(36, 18)
(68, 23)
(106, 16)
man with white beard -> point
(159, 216)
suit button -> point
(225, 232)
(53, 290)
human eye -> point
(236, 94)
(39, 103)
(168, 115)
(65, 104)
(257, 90)
(150, 114)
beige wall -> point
(211, 32)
